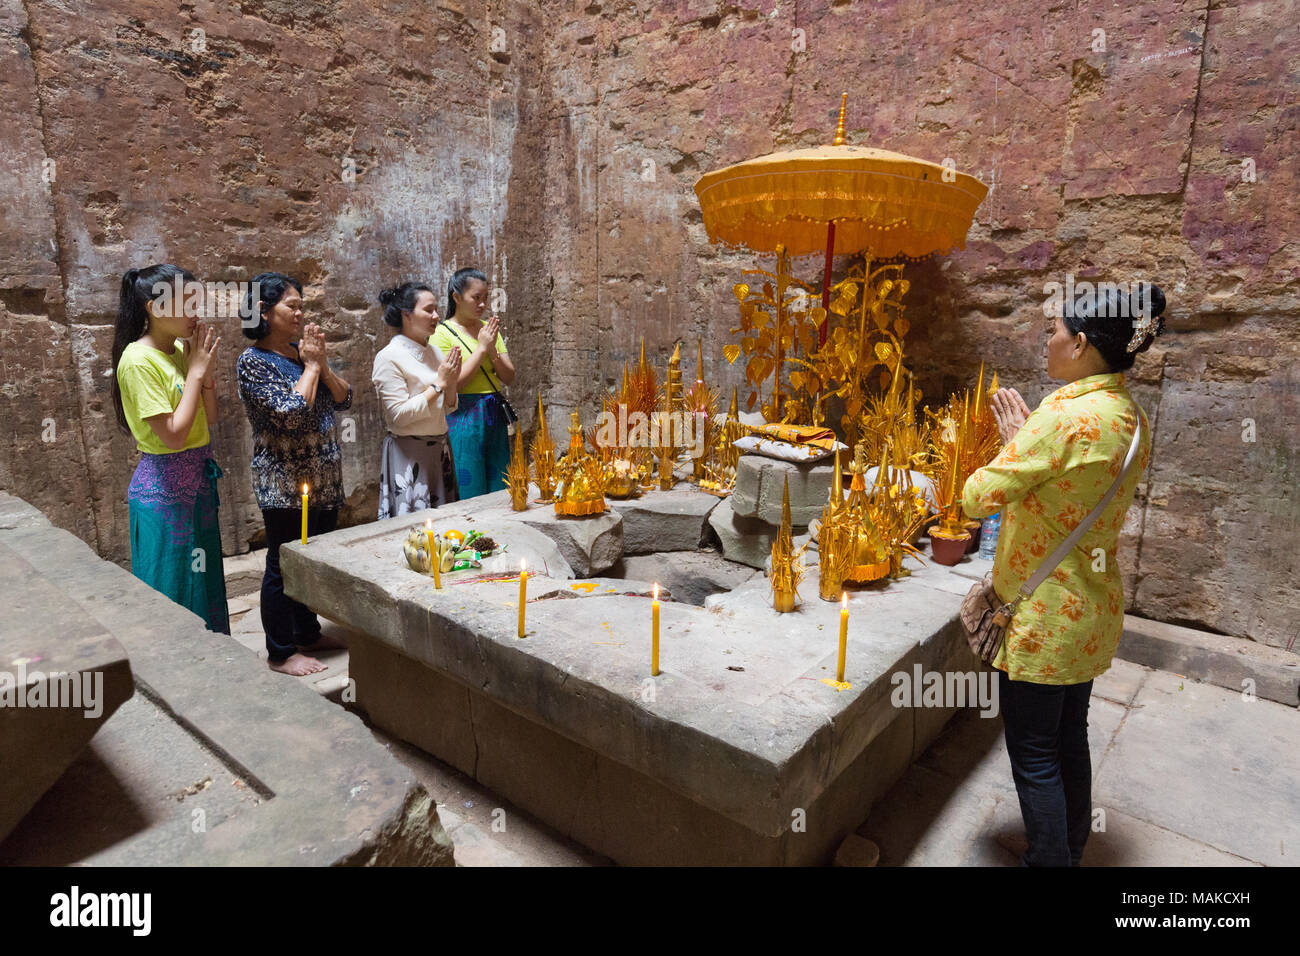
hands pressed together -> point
(449, 370)
(487, 336)
(312, 345)
(202, 351)
(1010, 411)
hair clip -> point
(1144, 326)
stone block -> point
(61, 677)
(1229, 662)
(857, 851)
(664, 520)
(590, 544)
(744, 540)
(760, 484)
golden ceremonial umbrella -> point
(840, 198)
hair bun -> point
(389, 296)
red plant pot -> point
(947, 550)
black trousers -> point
(288, 624)
(1046, 727)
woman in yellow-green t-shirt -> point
(478, 430)
(165, 395)
(1057, 465)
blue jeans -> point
(1046, 727)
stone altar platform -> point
(737, 753)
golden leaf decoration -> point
(748, 344)
(740, 290)
(883, 351)
(749, 402)
(901, 326)
(732, 352)
(884, 379)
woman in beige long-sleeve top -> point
(416, 384)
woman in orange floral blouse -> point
(1057, 464)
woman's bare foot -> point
(325, 643)
(298, 665)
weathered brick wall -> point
(230, 160)
(562, 150)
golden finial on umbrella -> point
(839, 127)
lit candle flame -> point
(428, 524)
(304, 488)
(522, 565)
(656, 597)
(844, 600)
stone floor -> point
(1184, 771)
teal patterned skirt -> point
(175, 538)
(480, 444)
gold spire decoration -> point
(834, 540)
(869, 552)
(543, 455)
(700, 403)
(517, 474)
(666, 451)
(898, 512)
(787, 563)
(582, 478)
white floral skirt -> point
(415, 473)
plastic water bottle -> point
(989, 535)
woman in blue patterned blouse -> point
(290, 394)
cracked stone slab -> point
(664, 520)
(321, 790)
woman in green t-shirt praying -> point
(478, 428)
(164, 394)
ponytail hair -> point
(133, 318)
(400, 299)
(457, 285)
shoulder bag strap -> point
(1066, 546)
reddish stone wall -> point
(561, 151)
(1128, 162)
(230, 160)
